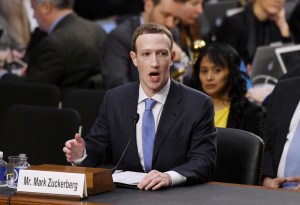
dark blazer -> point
(116, 65)
(294, 23)
(249, 119)
(185, 140)
(241, 29)
(69, 55)
(283, 102)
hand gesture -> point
(74, 148)
(281, 23)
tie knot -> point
(149, 104)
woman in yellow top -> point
(217, 73)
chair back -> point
(28, 94)
(239, 157)
(39, 132)
(87, 103)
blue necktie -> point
(292, 164)
(148, 133)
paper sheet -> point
(128, 177)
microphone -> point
(136, 118)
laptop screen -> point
(288, 57)
(265, 66)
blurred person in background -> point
(217, 73)
(117, 67)
(70, 54)
(190, 34)
(261, 22)
(100, 9)
(16, 33)
(294, 23)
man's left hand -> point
(155, 180)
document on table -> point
(128, 178)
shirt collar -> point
(160, 97)
(54, 24)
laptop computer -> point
(288, 57)
(265, 66)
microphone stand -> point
(133, 133)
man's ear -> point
(48, 7)
(148, 5)
(133, 57)
(173, 54)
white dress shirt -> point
(160, 98)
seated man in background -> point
(180, 145)
(282, 136)
(70, 55)
(116, 65)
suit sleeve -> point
(268, 169)
(47, 65)
(202, 153)
(254, 118)
(98, 144)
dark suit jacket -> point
(249, 119)
(294, 23)
(185, 139)
(241, 30)
(283, 102)
(68, 56)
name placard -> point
(46, 182)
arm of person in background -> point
(259, 93)
(281, 23)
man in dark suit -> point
(116, 65)
(281, 123)
(184, 149)
(70, 55)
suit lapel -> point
(170, 114)
(129, 110)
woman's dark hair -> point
(224, 55)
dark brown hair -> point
(151, 28)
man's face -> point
(163, 13)
(190, 11)
(39, 14)
(271, 7)
(153, 59)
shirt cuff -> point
(177, 179)
(79, 161)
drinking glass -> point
(12, 175)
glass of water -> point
(12, 175)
